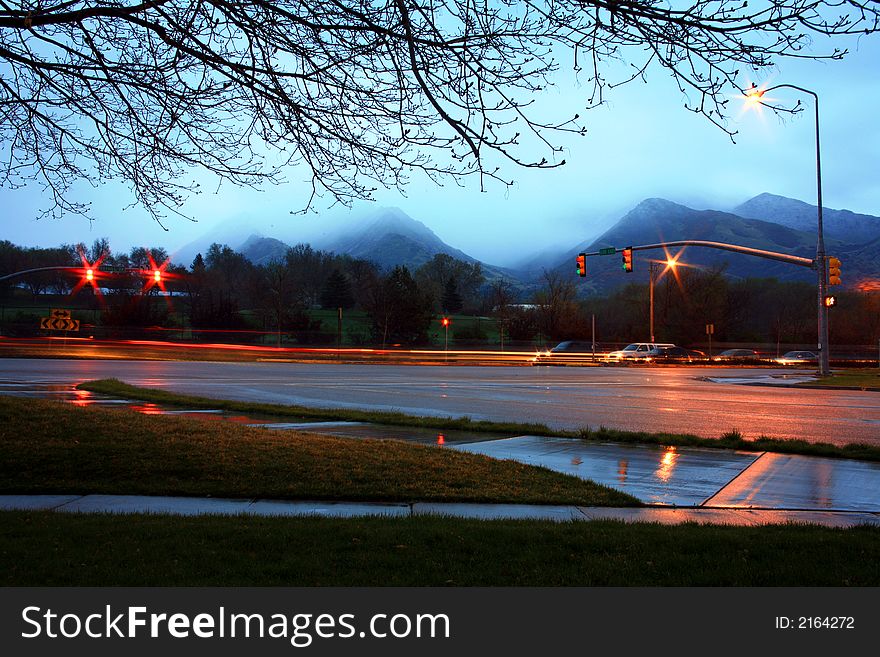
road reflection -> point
(667, 464)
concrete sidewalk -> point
(195, 506)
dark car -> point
(675, 354)
(738, 354)
(565, 352)
(795, 357)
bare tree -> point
(557, 307)
(361, 92)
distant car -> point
(636, 351)
(738, 354)
(795, 357)
(568, 351)
(676, 354)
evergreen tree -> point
(451, 299)
(400, 311)
(336, 292)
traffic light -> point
(830, 301)
(157, 276)
(582, 264)
(90, 275)
(445, 321)
(627, 259)
(833, 272)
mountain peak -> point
(841, 224)
(392, 220)
(263, 250)
(390, 236)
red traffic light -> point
(627, 259)
(157, 275)
(90, 275)
(445, 321)
(582, 264)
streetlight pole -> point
(821, 264)
(652, 271)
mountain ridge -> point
(390, 237)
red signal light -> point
(445, 321)
(582, 264)
(157, 275)
(90, 275)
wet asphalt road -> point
(643, 399)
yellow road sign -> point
(59, 324)
(60, 314)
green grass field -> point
(53, 447)
(866, 378)
(57, 549)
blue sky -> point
(641, 144)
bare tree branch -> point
(362, 93)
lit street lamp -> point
(754, 95)
(653, 268)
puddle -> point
(762, 380)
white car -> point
(636, 351)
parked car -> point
(635, 351)
(738, 354)
(676, 354)
(795, 357)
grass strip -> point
(58, 549)
(54, 447)
(867, 378)
(729, 440)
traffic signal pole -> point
(819, 265)
(760, 253)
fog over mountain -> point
(840, 224)
(389, 236)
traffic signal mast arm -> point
(760, 253)
(154, 274)
(33, 271)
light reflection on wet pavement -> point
(656, 475)
(662, 476)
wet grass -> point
(116, 388)
(865, 378)
(55, 447)
(732, 439)
(57, 549)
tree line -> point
(751, 310)
(221, 290)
